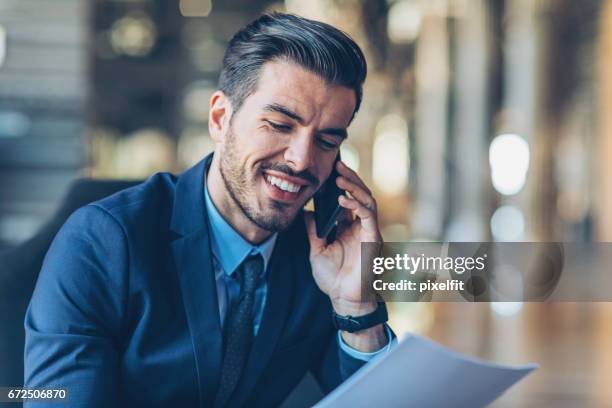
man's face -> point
(282, 143)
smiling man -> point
(212, 288)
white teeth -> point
(283, 184)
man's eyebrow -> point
(276, 107)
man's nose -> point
(300, 152)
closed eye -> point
(327, 145)
(279, 126)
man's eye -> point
(327, 145)
(279, 127)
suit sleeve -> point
(334, 366)
(337, 365)
(331, 369)
(74, 318)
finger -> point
(316, 244)
(350, 174)
(365, 215)
(357, 192)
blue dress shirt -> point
(229, 249)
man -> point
(212, 288)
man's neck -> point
(229, 210)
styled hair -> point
(315, 46)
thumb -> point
(316, 244)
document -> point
(420, 373)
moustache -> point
(283, 168)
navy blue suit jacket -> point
(125, 309)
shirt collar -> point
(228, 247)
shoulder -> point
(152, 198)
(136, 214)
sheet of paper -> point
(420, 373)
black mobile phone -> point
(327, 208)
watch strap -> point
(353, 324)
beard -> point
(242, 188)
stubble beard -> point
(236, 179)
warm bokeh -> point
(482, 120)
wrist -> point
(368, 340)
(361, 324)
(355, 309)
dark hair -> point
(316, 46)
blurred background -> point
(481, 120)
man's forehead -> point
(288, 85)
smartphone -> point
(327, 208)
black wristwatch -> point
(353, 324)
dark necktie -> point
(238, 328)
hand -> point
(336, 267)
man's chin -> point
(278, 219)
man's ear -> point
(219, 116)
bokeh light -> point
(133, 35)
(509, 161)
(508, 224)
(404, 21)
(195, 8)
(506, 309)
(2, 45)
(194, 144)
(390, 163)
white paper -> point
(420, 373)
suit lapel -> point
(280, 292)
(193, 261)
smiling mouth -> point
(282, 184)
